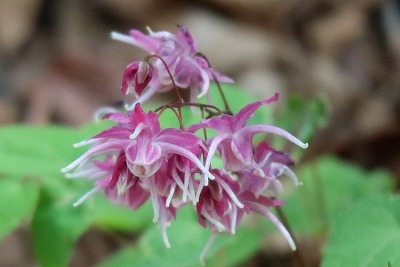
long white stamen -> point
(93, 172)
(123, 38)
(229, 191)
(137, 130)
(219, 225)
(164, 234)
(187, 154)
(85, 142)
(87, 195)
(213, 147)
(171, 194)
(229, 209)
(264, 211)
(123, 186)
(143, 97)
(99, 113)
(100, 148)
(233, 219)
(206, 248)
(206, 82)
(186, 186)
(265, 160)
(156, 207)
(192, 192)
(287, 171)
(261, 128)
(258, 170)
(177, 179)
(201, 185)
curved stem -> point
(227, 108)
(178, 113)
(178, 93)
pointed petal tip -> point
(114, 35)
(305, 145)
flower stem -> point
(178, 93)
(178, 113)
(227, 108)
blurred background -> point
(58, 64)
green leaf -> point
(231, 250)
(56, 227)
(105, 214)
(301, 117)
(329, 187)
(19, 198)
(368, 234)
(40, 150)
(187, 240)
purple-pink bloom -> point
(137, 76)
(263, 176)
(142, 161)
(223, 203)
(218, 203)
(179, 52)
(234, 138)
(145, 144)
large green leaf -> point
(18, 198)
(56, 227)
(40, 150)
(330, 186)
(107, 215)
(367, 234)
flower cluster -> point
(136, 160)
(174, 61)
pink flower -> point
(218, 203)
(262, 176)
(179, 52)
(142, 161)
(143, 142)
(223, 203)
(136, 77)
(234, 138)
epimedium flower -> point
(137, 76)
(223, 203)
(144, 143)
(234, 138)
(142, 161)
(175, 61)
(136, 160)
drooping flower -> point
(234, 138)
(137, 76)
(180, 58)
(218, 203)
(144, 143)
(223, 203)
(136, 160)
(262, 177)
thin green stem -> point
(178, 113)
(204, 129)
